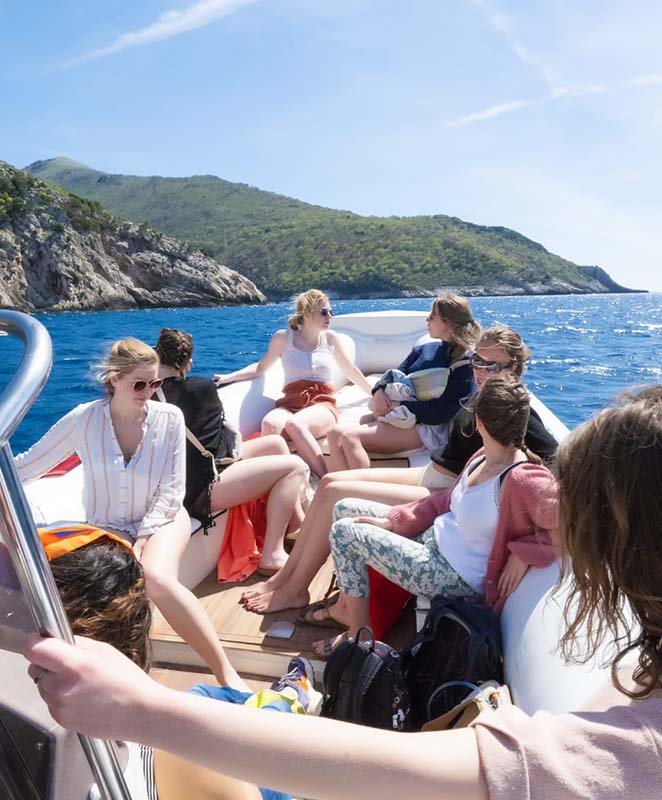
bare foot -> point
(230, 677)
(278, 600)
(273, 561)
(258, 589)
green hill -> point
(286, 246)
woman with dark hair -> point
(101, 584)
(610, 473)
(451, 323)
(477, 538)
(266, 465)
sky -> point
(544, 116)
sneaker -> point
(299, 679)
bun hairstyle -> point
(511, 342)
(103, 593)
(456, 312)
(502, 406)
(609, 472)
(306, 305)
(124, 356)
(175, 349)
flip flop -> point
(328, 648)
(306, 615)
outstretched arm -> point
(274, 352)
(94, 689)
(349, 367)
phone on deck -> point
(280, 629)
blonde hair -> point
(123, 357)
(510, 342)
(456, 312)
(306, 305)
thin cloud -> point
(653, 79)
(170, 23)
(502, 25)
(489, 113)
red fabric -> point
(302, 394)
(245, 528)
(244, 537)
(528, 512)
(63, 467)
(387, 600)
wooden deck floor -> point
(244, 635)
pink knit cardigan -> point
(528, 512)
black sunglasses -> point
(140, 386)
(326, 312)
(491, 366)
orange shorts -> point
(303, 394)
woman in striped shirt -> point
(133, 457)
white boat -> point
(531, 620)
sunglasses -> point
(140, 386)
(326, 312)
(491, 366)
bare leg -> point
(288, 588)
(281, 477)
(274, 421)
(379, 437)
(304, 429)
(338, 460)
(268, 445)
(407, 476)
(181, 608)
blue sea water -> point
(585, 348)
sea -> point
(586, 348)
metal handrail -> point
(20, 534)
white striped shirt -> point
(139, 496)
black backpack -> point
(363, 683)
(460, 641)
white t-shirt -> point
(465, 534)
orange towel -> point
(243, 540)
(245, 528)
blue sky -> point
(544, 116)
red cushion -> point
(387, 600)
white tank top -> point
(465, 534)
(307, 365)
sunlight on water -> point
(585, 348)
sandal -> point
(306, 615)
(328, 647)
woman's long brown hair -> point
(610, 514)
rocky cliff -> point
(59, 252)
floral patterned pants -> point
(415, 564)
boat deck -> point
(244, 635)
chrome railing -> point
(18, 528)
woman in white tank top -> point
(309, 352)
